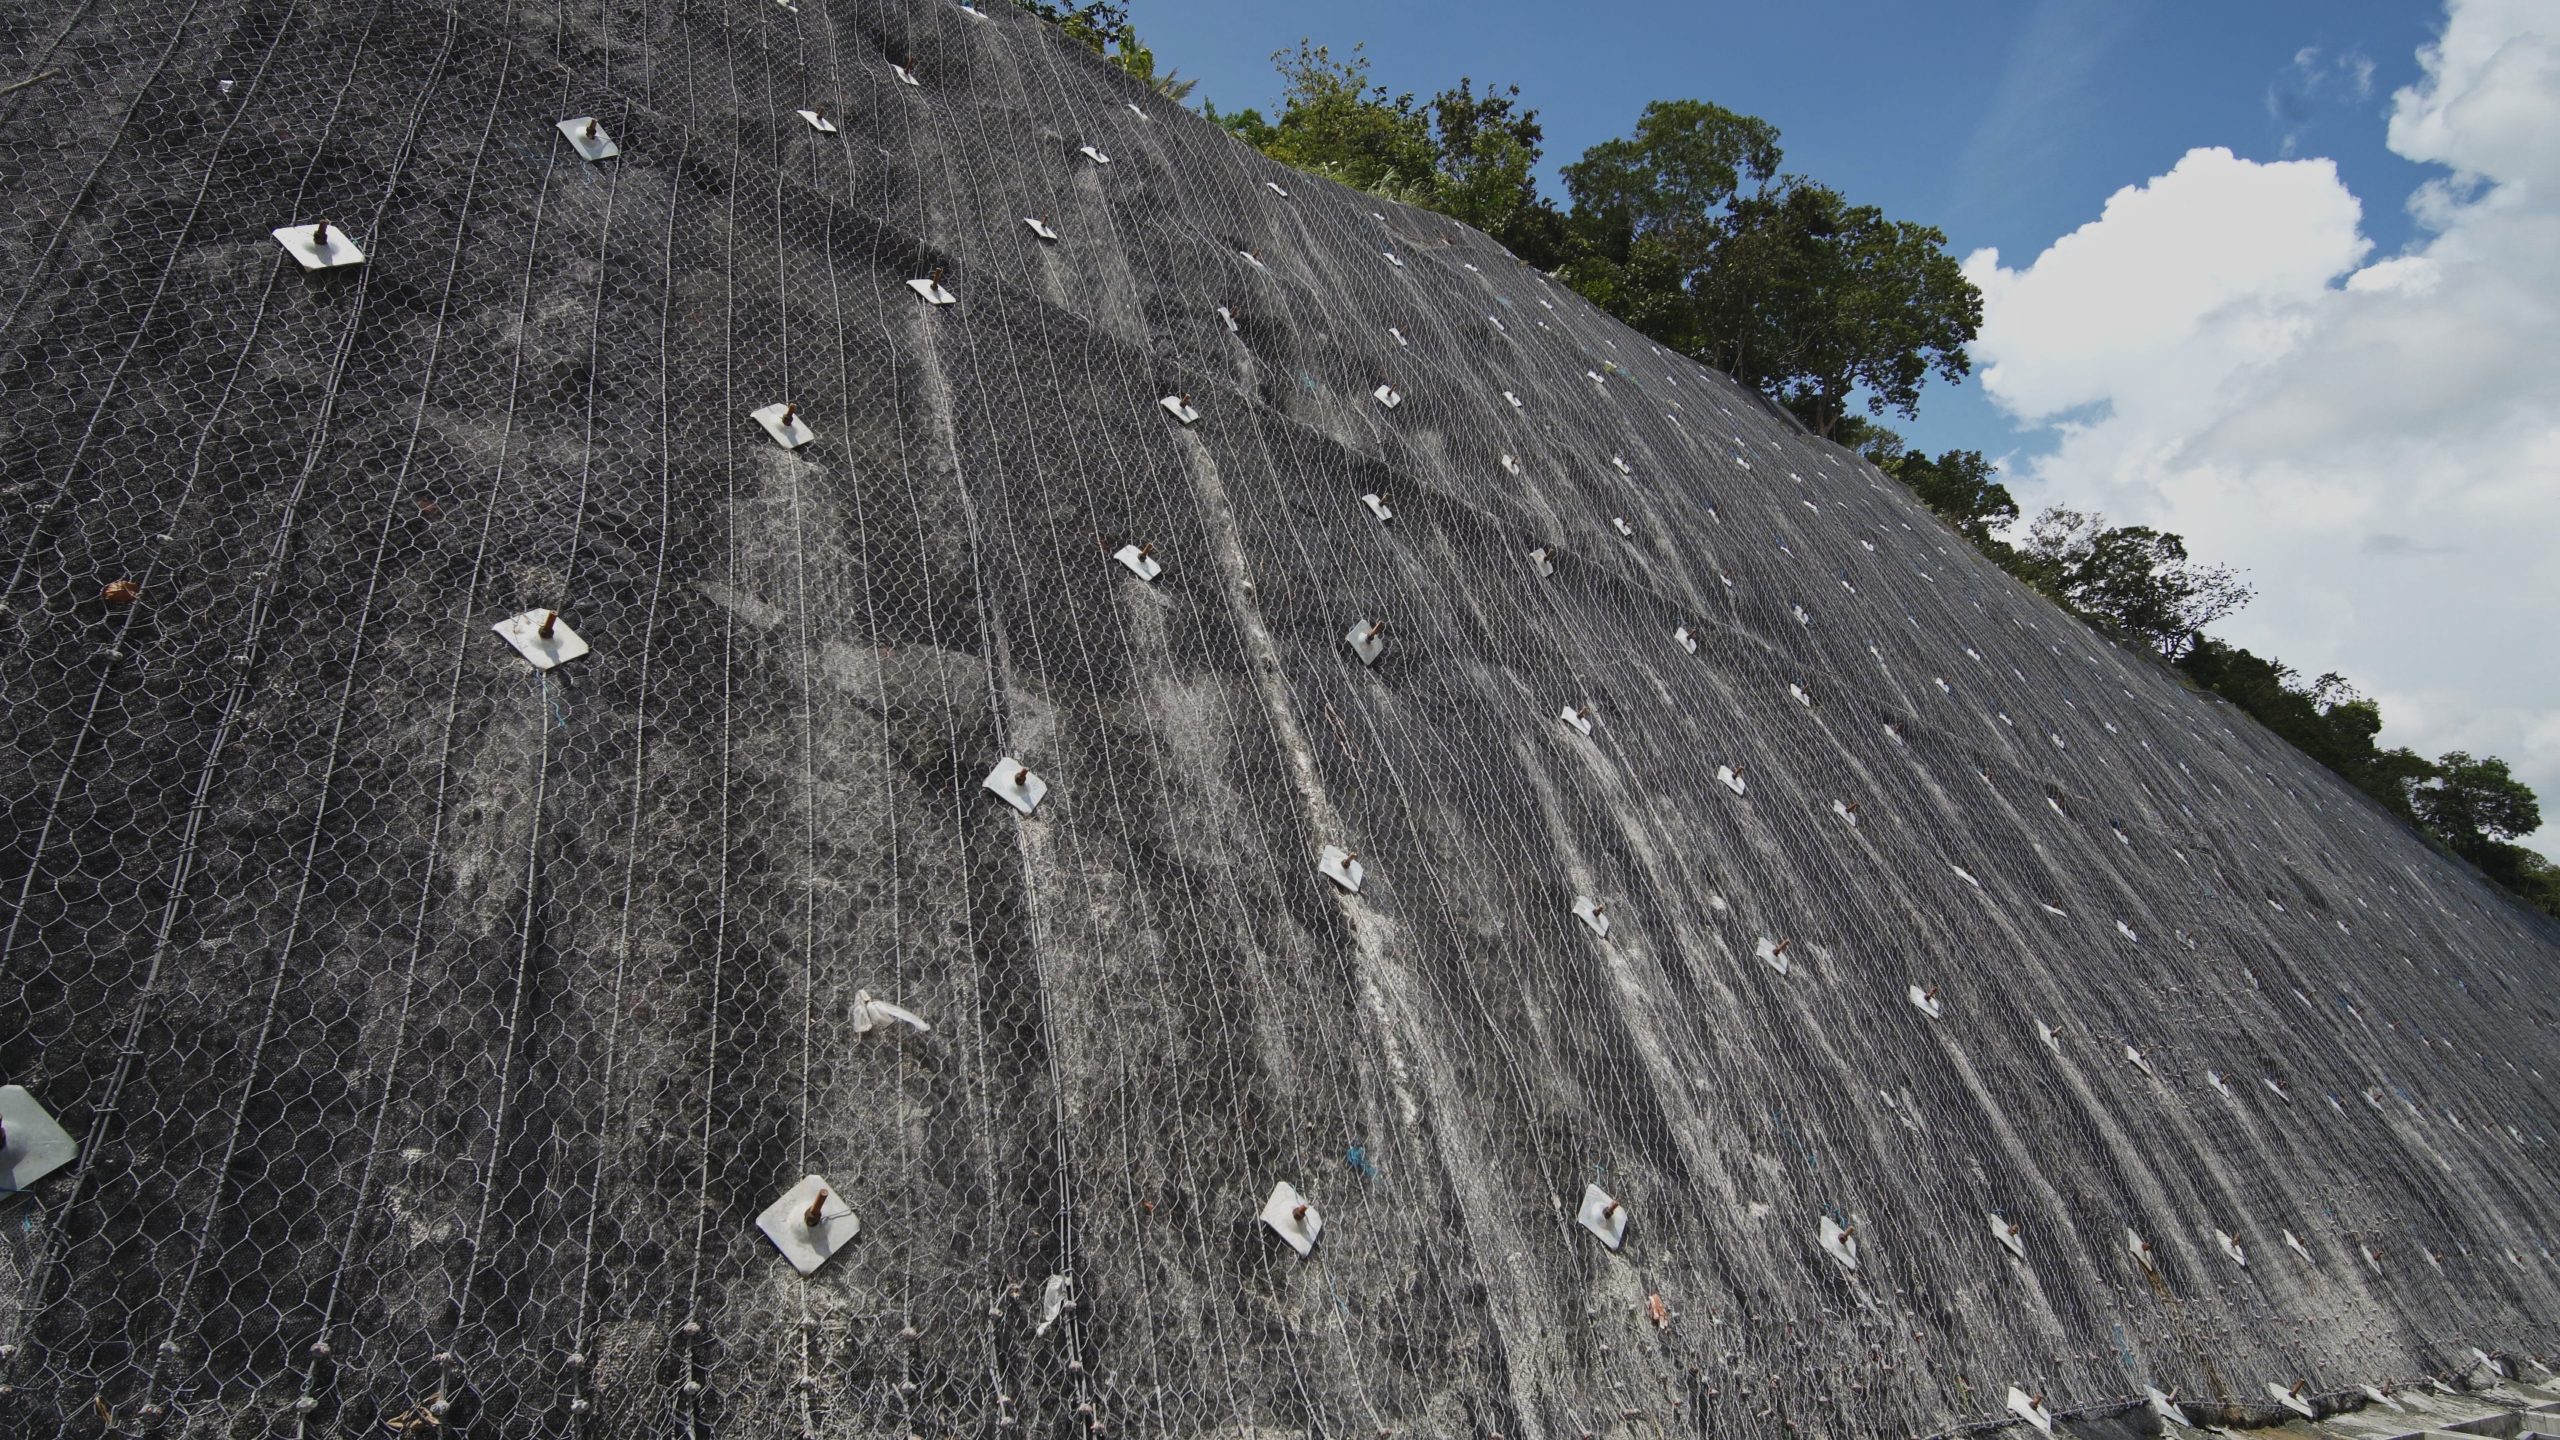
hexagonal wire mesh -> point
(435, 1026)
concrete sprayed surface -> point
(435, 1028)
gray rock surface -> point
(435, 1028)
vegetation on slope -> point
(1690, 231)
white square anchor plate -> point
(1180, 409)
(1341, 867)
(1378, 507)
(1293, 1217)
(1387, 395)
(1276, 188)
(303, 244)
(541, 651)
(932, 291)
(1620, 521)
(38, 1145)
(1593, 914)
(1539, 562)
(906, 76)
(790, 433)
(1578, 719)
(1092, 154)
(1732, 780)
(1230, 317)
(2165, 1405)
(1511, 463)
(596, 146)
(1840, 1242)
(1603, 1216)
(1773, 953)
(1397, 335)
(817, 122)
(1138, 561)
(1514, 399)
(1039, 227)
(1014, 783)
(1928, 1004)
(2006, 1232)
(2290, 1398)
(1367, 640)
(1685, 640)
(2141, 1249)
(2231, 1247)
(1847, 812)
(2031, 1409)
(786, 1223)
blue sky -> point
(2280, 276)
(2004, 124)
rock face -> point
(436, 1028)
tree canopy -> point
(1467, 155)
(2132, 581)
(1960, 485)
(1688, 232)
(1685, 229)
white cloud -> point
(2295, 96)
(2376, 439)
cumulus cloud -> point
(2376, 438)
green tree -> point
(1650, 210)
(1961, 486)
(1467, 154)
(1672, 182)
(1093, 24)
(1335, 123)
(2129, 580)
(2325, 719)
(2474, 804)
(1246, 125)
(1133, 56)
(1814, 300)
(1487, 149)
(1687, 231)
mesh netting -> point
(435, 1027)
